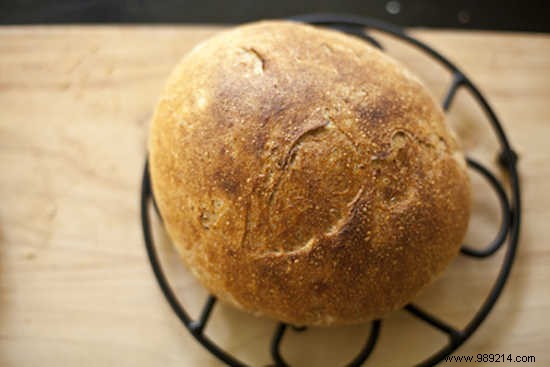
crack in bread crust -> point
(291, 155)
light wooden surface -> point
(75, 285)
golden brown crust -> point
(304, 175)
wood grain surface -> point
(75, 285)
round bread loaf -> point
(304, 175)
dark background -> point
(529, 15)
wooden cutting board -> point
(75, 285)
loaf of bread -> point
(306, 176)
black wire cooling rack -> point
(507, 234)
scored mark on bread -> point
(340, 224)
(307, 246)
(255, 58)
(324, 126)
(274, 178)
(433, 142)
(398, 139)
(295, 145)
(290, 156)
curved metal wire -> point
(361, 357)
(506, 215)
(509, 229)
